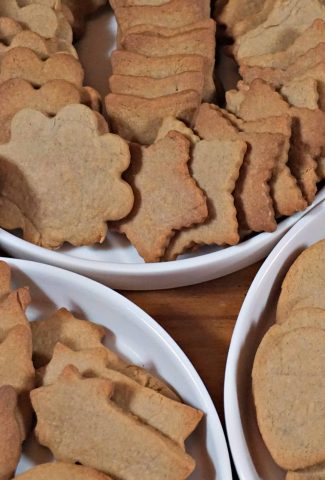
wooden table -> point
(201, 319)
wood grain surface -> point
(201, 320)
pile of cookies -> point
(92, 407)
(164, 65)
(280, 49)
(288, 372)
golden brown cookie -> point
(174, 14)
(10, 434)
(22, 62)
(304, 282)
(65, 142)
(62, 471)
(77, 334)
(174, 419)
(215, 166)
(40, 19)
(147, 87)
(17, 94)
(117, 443)
(288, 392)
(134, 64)
(138, 119)
(163, 204)
(309, 38)
(281, 28)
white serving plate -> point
(116, 263)
(252, 460)
(137, 337)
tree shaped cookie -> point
(63, 206)
(10, 434)
(174, 419)
(117, 443)
(166, 197)
(78, 334)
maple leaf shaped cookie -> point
(10, 435)
(61, 179)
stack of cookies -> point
(163, 67)
(92, 406)
(288, 372)
(280, 49)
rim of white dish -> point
(234, 427)
(150, 323)
(183, 265)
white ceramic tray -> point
(137, 337)
(252, 460)
(116, 263)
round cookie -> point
(62, 471)
(289, 388)
(314, 473)
(304, 284)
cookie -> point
(240, 19)
(304, 317)
(138, 119)
(43, 47)
(38, 18)
(174, 419)
(164, 31)
(302, 93)
(287, 380)
(174, 14)
(303, 283)
(313, 473)
(13, 303)
(309, 38)
(282, 27)
(215, 166)
(200, 41)
(131, 63)
(147, 87)
(117, 442)
(287, 196)
(63, 471)
(77, 334)
(38, 143)
(262, 156)
(132, 3)
(162, 205)
(259, 100)
(170, 124)
(17, 94)
(17, 370)
(23, 63)
(10, 434)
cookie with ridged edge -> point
(164, 203)
(215, 165)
